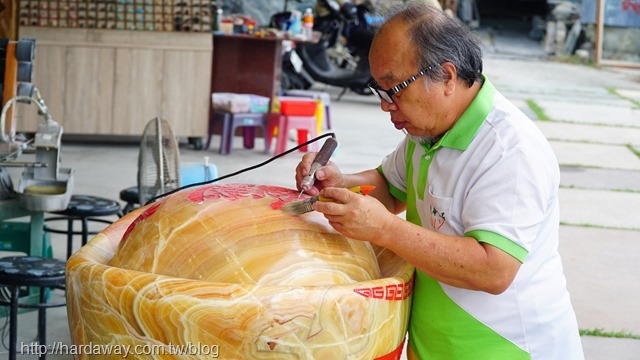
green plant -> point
(589, 188)
(540, 114)
(615, 92)
(634, 150)
(576, 60)
(593, 226)
(610, 334)
(622, 126)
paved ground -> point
(593, 126)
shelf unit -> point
(144, 15)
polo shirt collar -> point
(463, 131)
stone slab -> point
(554, 130)
(599, 179)
(603, 114)
(574, 94)
(630, 93)
(530, 72)
(602, 270)
(601, 348)
(600, 208)
(595, 155)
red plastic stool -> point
(316, 95)
(295, 113)
(284, 123)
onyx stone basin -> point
(222, 267)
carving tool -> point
(321, 160)
(306, 205)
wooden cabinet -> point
(107, 82)
(247, 64)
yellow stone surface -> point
(221, 268)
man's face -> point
(420, 108)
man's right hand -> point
(326, 176)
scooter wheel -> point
(285, 82)
(293, 82)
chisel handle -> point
(321, 160)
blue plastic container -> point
(197, 172)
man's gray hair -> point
(440, 38)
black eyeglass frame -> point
(387, 95)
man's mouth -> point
(399, 125)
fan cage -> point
(158, 161)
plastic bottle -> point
(295, 27)
(218, 20)
(307, 24)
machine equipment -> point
(43, 185)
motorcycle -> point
(341, 55)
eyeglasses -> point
(386, 95)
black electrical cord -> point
(333, 135)
(4, 329)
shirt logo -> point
(437, 218)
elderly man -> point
(479, 184)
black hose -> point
(333, 135)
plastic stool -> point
(30, 271)
(284, 123)
(301, 107)
(316, 95)
(230, 122)
(84, 208)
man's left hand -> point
(353, 215)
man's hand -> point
(353, 215)
(327, 176)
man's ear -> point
(450, 74)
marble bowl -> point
(220, 270)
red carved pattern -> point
(148, 212)
(633, 5)
(234, 192)
(389, 292)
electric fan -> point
(158, 161)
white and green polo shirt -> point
(493, 177)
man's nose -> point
(388, 107)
